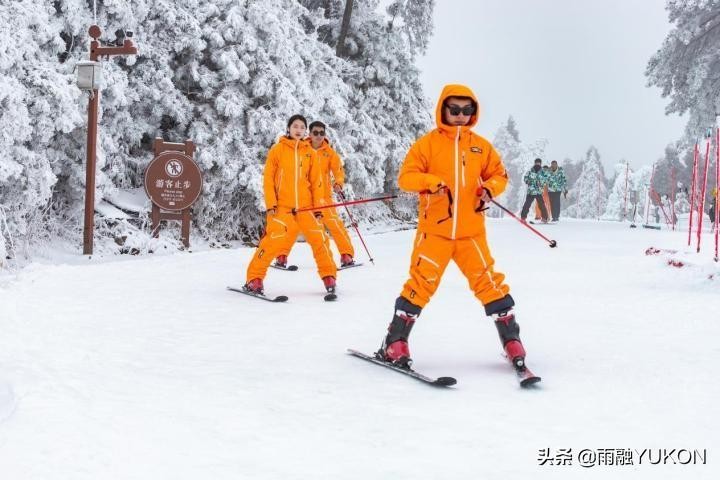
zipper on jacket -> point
(463, 169)
(297, 142)
(457, 184)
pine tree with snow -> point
(685, 67)
(587, 198)
(619, 197)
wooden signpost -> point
(173, 183)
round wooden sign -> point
(173, 181)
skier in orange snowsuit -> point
(292, 182)
(456, 172)
(328, 162)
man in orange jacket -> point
(292, 182)
(456, 173)
(328, 162)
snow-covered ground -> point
(147, 368)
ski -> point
(289, 268)
(330, 297)
(345, 267)
(439, 382)
(278, 299)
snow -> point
(147, 368)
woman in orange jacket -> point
(328, 162)
(292, 182)
(455, 172)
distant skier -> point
(535, 181)
(292, 181)
(456, 172)
(557, 183)
(328, 162)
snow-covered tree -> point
(687, 66)
(618, 199)
(588, 196)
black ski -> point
(345, 267)
(278, 299)
(439, 382)
(289, 268)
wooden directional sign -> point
(173, 181)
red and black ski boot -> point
(329, 283)
(395, 348)
(509, 332)
(281, 261)
(254, 286)
(346, 260)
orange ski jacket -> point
(329, 161)
(462, 161)
(291, 179)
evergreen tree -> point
(686, 66)
(588, 197)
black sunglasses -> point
(457, 110)
(318, 133)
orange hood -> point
(455, 90)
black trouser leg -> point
(526, 206)
(555, 204)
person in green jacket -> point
(535, 180)
(557, 184)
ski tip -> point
(280, 299)
(292, 268)
(445, 381)
(330, 297)
(530, 381)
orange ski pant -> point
(432, 254)
(284, 225)
(334, 224)
(546, 200)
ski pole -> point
(342, 204)
(355, 225)
(552, 243)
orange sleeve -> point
(413, 175)
(316, 181)
(271, 166)
(494, 176)
(336, 167)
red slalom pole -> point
(701, 200)
(355, 225)
(342, 204)
(552, 243)
(717, 190)
(672, 197)
(696, 154)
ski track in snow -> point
(147, 368)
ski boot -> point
(329, 283)
(281, 261)
(509, 332)
(395, 348)
(254, 286)
(346, 260)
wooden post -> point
(96, 53)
